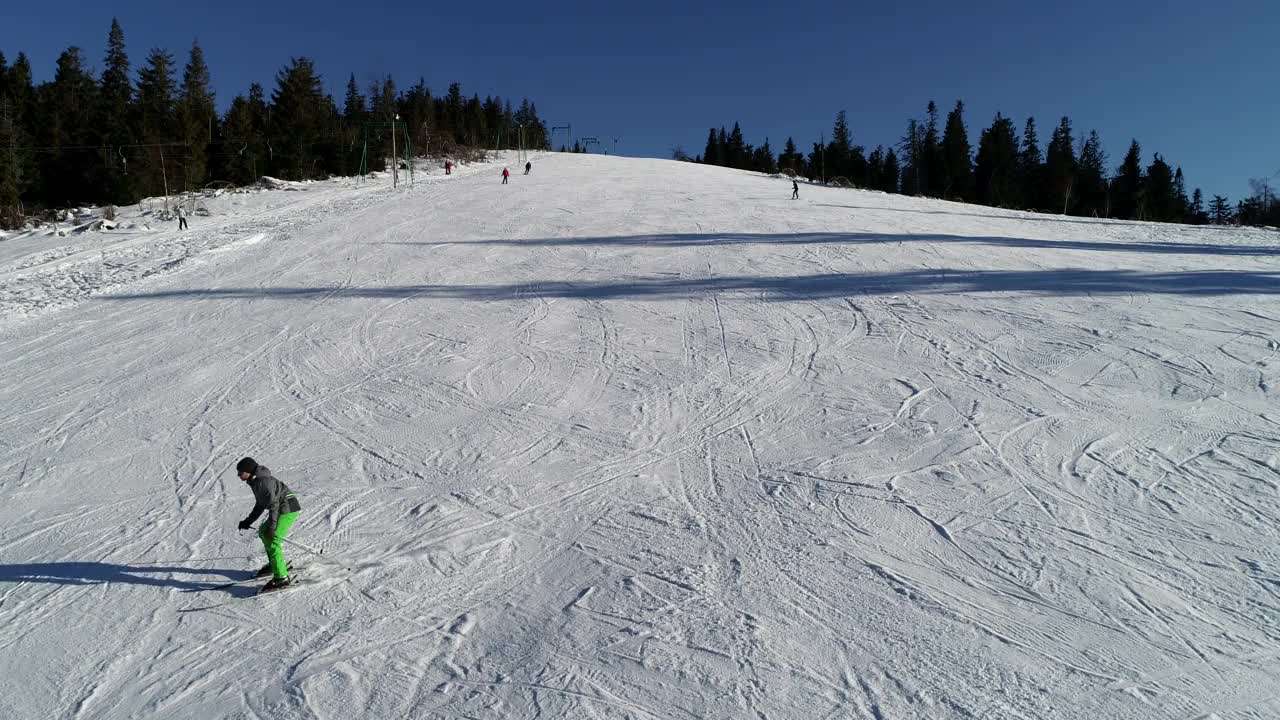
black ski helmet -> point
(247, 465)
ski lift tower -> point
(589, 141)
(568, 135)
(396, 125)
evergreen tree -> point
(736, 149)
(839, 157)
(196, 113)
(1182, 203)
(475, 130)
(711, 154)
(508, 115)
(790, 158)
(157, 124)
(1258, 209)
(518, 120)
(1060, 168)
(889, 176)
(353, 119)
(65, 127)
(1263, 195)
(115, 94)
(762, 159)
(859, 168)
(20, 89)
(302, 120)
(1031, 170)
(535, 133)
(1198, 215)
(155, 107)
(18, 107)
(817, 163)
(1128, 193)
(1248, 211)
(116, 136)
(453, 108)
(1220, 211)
(238, 162)
(1091, 179)
(260, 124)
(996, 169)
(957, 166)
(537, 136)
(382, 116)
(353, 107)
(418, 114)
(1161, 198)
(10, 196)
(875, 168)
(912, 146)
(932, 175)
(492, 109)
(382, 110)
(10, 190)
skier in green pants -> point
(282, 509)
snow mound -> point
(270, 183)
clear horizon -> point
(1192, 82)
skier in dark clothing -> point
(795, 189)
(274, 497)
(527, 167)
(448, 167)
(505, 174)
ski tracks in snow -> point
(561, 468)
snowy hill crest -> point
(636, 438)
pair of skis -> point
(293, 580)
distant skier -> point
(505, 174)
(182, 218)
(282, 509)
(448, 167)
(527, 167)
(795, 189)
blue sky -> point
(1198, 82)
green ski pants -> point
(275, 545)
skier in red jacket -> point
(505, 174)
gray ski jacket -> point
(271, 495)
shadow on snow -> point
(1031, 215)
(717, 239)
(801, 287)
(100, 573)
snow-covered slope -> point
(639, 439)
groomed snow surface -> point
(641, 439)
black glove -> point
(245, 525)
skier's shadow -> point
(100, 573)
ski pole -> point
(311, 550)
(304, 547)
